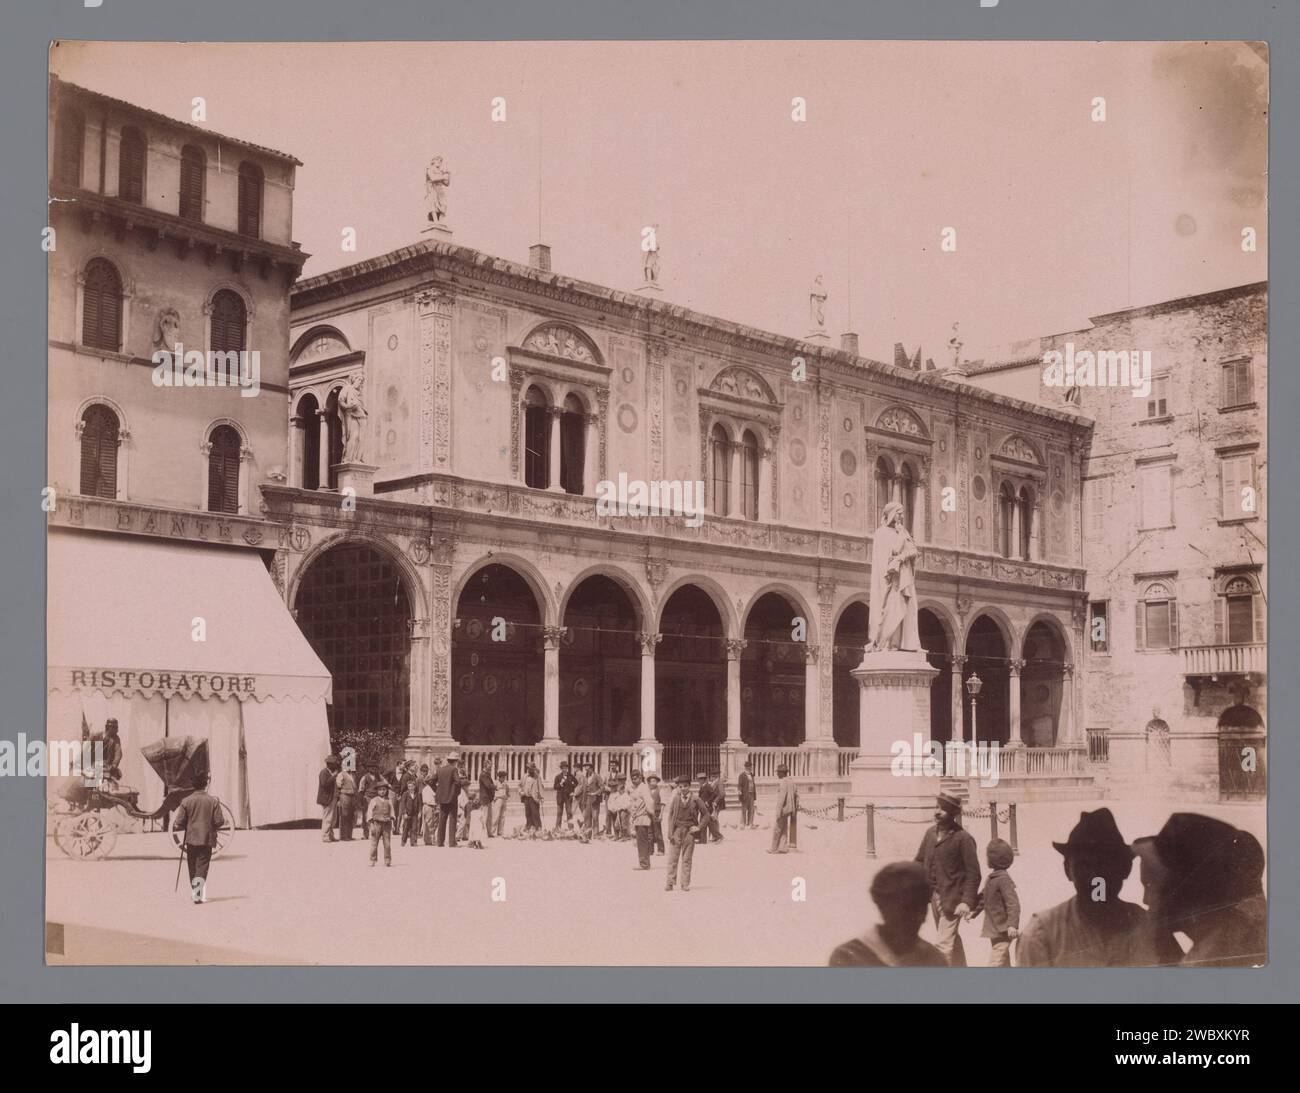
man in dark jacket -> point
(952, 867)
(199, 816)
(564, 785)
(326, 797)
(487, 792)
(747, 790)
(589, 794)
(447, 785)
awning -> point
(123, 614)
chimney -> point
(849, 343)
(900, 356)
(539, 257)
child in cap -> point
(1000, 904)
(379, 817)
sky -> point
(1057, 216)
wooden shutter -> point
(1173, 624)
(192, 168)
(228, 321)
(1140, 616)
(223, 470)
(250, 201)
(99, 440)
(70, 136)
(1220, 620)
(130, 166)
(1259, 617)
(101, 316)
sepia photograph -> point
(735, 503)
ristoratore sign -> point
(186, 684)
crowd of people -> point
(443, 804)
(1201, 878)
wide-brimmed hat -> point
(949, 803)
(1095, 832)
(1213, 853)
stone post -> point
(648, 643)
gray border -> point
(23, 67)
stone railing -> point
(1044, 762)
(514, 759)
(843, 759)
(766, 760)
(1224, 660)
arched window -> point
(130, 166)
(100, 436)
(193, 171)
(1006, 520)
(250, 200)
(884, 475)
(229, 317)
(1157, 618)
(749, 476)
(720, 478)
(308, 421)
(573, 444)
(1026, 521)
(69, 142)
(223, 469)
(101, 312)
(1240, 616)
(907, 493)
(537, 440)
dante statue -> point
(893, 585)
(353, 412)
(817, 304)
(436, 180)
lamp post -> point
(973, 686)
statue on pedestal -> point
(352, 411)
(893, 585)
(817, 304)
(436, 180)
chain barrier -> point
(842, 812)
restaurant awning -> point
(128, 614)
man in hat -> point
(564, 785)
(589, 794)
(641, 806)
(326, 795)
(747, 790)
(1094, 929)
(901, 892)
(487, 793)
(1204, 878)
(705, 796)
(447, 785)
(686, 816)
(656, 813)
(112, 751)
(199, 816)
(952, 867)
(787, 802)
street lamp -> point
(973, 687)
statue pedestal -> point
(818, 335)
(652, 288)
(439, 232)
(358, 476)
(894, 708)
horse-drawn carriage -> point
(87, 810)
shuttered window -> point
(1157, 618)
(99, 440)
(250, 200)
(228, 321)
(223, 470)
(1238, 384)
(101, 313)
(1239, 613)
(69, 140)
(193, 168)
(130, 166)
(1237, 483)
(749, 476)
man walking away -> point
(656, 825)
(347, 803)
(685, 818)
(716, 806)
(787, 801)
(952, 866)
(199, 816)
(747, 790)
(641, 806)
(487, 792)
(447, 790)
(327, 797)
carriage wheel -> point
(224, 837)
(87, 836)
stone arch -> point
(713, 590)
(563, 340)
(411, 583)
(899, 419)
(320, 330)
(952, 629)
(640, 601)
(741, 382)
(1010, 634)
(546, 604)
(797, 601)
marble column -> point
(553, 462)
(735, 646)
(551, 636)
(323, 452)
(590, 470)
(813, 729)
(648, 643)
(735, 504)
(1065, 731)
(1017, 666)
(958, 698)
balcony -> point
(1214, 661)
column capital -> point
(959, 661)
(810, 653)
(648, 642)
(1067, 670)
(1016, 666)
(552, 636)
(735, 646)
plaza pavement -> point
(286, 897)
